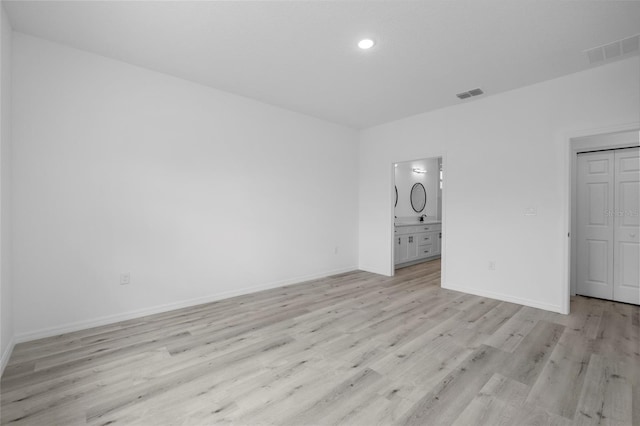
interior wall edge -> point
(218, 91)
(7, 311)
(374, 270)
(6, 355)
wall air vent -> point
(470, 93)
(613, 50)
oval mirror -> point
(396, 205)
(418, 197)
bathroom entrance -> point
(417, 224)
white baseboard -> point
(505, 298)
(6, 355)
(374, 270)
(110, 319)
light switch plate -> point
(125, 278)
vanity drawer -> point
(414, 229)
(405, 230)
(426, 238)
(426, 251)
(429, 228)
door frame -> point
(620, 136)
(443, 244)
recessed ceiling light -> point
(366, 43)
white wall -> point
(405, 178)
(199, 194)
(502, 154)
(439, 191)
(6, 295)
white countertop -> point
(426, 222)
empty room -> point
(464, 175)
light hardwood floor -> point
(353, 349)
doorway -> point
(606, 223)
(417, 228)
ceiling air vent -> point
(614, 50)
(630, 45)
(470, 93)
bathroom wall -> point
(439, 211)
(405, 178)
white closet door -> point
(626, 275)
(595, 224)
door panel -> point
(595, 199)
(598, 194)
(600, 167)
(629, 271)
(626, 226)
(597, 268)
(628, 202)
(412, 248)
(403, 253)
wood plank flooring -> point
(352, 349)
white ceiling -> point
(303, 55)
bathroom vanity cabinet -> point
(416, 242)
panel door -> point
(595, 196)
(401, 247)
(412, 248)
(626, 256)
(437, 236)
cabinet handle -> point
(398, 240)
(410, 239)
